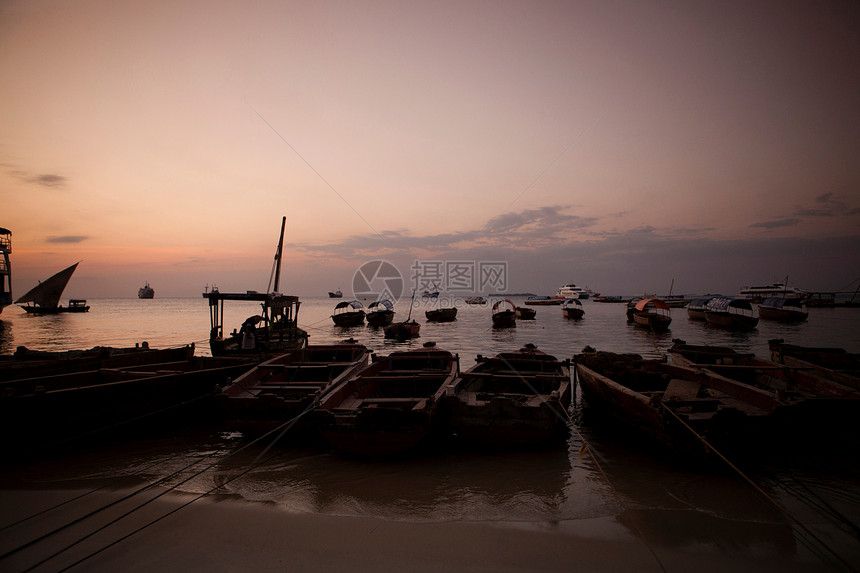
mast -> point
(278, 255)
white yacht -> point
(573, 291)
(759, 293)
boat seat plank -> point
(681, 390)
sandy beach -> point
(230, 535)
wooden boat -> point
(831, 363)
(696, 307)
(524, 313)
(26, 363)
(54, 409)
(275, 331)
(441, 314)
(652, 313)
(404, 330)
(732, 313)
(572, 308)
(286, 387)
(44, 298)
(348, 313)
(611, 299)
(390, 406)
(671, 405)
(146, 291)
(504, 314)
(380, 313)
(783, 309)
(513, 399)
(476, 300)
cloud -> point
(778, 223)
(44, 179)
(67, 239)
(826, 205)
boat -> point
(671, 405)
(285, 388)
(732, 313)
(612, 298)
(696, 307)
(275, 331)
(72, 406)
(476, 300)
(570, 290)
(504, 314)
(45, 296)
(543, 300)
(406, 329)
(783, 309)
(676, 300)
(513, 399)
(572, 308)
(77, 305)
(348, 313)
(832, 363)
(145, 291)
(759, 293)
(524, 313)
(335, 294)
(390, 407)
(448, 314)
(380, 313)
(5, 268)
(653, 314)
(429, 294)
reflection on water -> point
(6, 337)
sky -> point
(627, 146)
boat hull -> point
(441, 315)
(731, 321)
(652, 321)
(782, 314)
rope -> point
(764, 495)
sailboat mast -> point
(278, 255)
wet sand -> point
(214, 534)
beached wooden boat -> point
(54, 409)
(275, 331)
(26, 363)
(348, 313)
(524, 313)
(572, 308)
(512, 399)
(286, 387)
(441, 314)
(651, 313)
(783, 309)
(504, 314)
(731, 313)
(380, 313)
(831, 363)
(390, 406)
(697, 306)
(672, 405)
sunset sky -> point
(618, 145)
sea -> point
(804, 507)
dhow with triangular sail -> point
(44, 298)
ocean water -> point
(805, 506)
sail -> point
(48, 293)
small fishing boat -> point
(476, 300)
(335, 293)
(731, 313)
(651, 313)
(512, 399)
(404, 330)
(673, 406)
(572, 308)
(380, 313)
(447, 314)
(146, 291)
(612, 299)
(390, 406)
(696, 307)
(286, 387)
(783, 309)
(544, 300)
(44, 298)
(348, 313)
(504, 314)
(524, 313)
